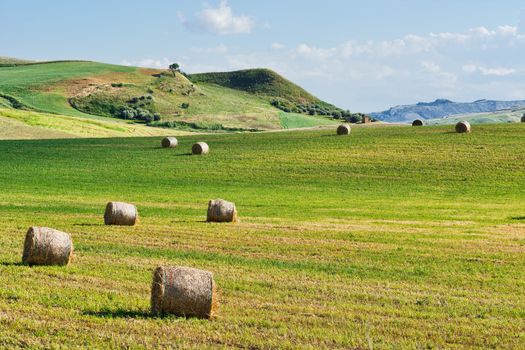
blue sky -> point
(364, 56)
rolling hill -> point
(256, 99)
(443, 108)
(9, 61)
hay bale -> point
(343, 129)
(220, 210)
(169, 142)
(46, 246)
(463, 127)
(183, 291)
(523, 118)
(418, 122)
(200, 148)
(123, 214)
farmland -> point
(393, 237)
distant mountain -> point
(441, 108)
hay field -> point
(390, 238)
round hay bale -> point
(46, 246)
(463, 127)
(169, 142)
(200, 148)
(344, 129)
(523, 118)
(183, 291)
(220, 210)
(123, 214)
(418, 122)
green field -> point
(391, 238)
(19, 125)
(296, 121)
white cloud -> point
(431, 67)
(376, 74)
(218, 21)
(497, 71)
(162, 63)
(314, 52)
(470, 68)
(278, 46)
(220, 50)
(494, 71)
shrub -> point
(127, 113)
(185, 105)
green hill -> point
(244, 100)
(281, 92)
(9, 61)
(257, 81)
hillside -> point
(9, 61)
(443, 108)
(392, 238)
(245, 100)
(502, 116)
(266, 83)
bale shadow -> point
(519, 218)
(188, 221)
(134, 314)
(184, 154)
(120, 313)
(8, 264)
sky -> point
(363, 56)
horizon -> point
(463, 52)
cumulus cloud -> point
(479, 37)
(148, 63)
(494, 71)
(220, 49)
(431, 67)
(218, 20)
(372, 75)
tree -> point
(174, 67)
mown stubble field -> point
(390, 238)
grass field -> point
(19, 125)
(295, 121)
(391, 238)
